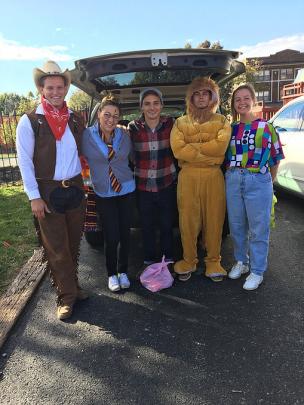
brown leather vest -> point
(45, 143)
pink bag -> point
(157, 276)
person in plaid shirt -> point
(155, 173)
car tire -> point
(94, 239)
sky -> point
(32, 32)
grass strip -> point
(17, 233)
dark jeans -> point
(115, 214)
(155, 206)
(64, 199)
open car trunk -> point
(170, 70)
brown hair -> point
(109, 100)
(42, 80)
(246, 86)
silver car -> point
(289, 123)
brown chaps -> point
(60, 235)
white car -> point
(289, 123)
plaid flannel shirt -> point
(153, 158)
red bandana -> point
(57, 119)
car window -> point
(291, 118)
(147, 77)
(302, 123)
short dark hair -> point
(42, 80)
(150, 91)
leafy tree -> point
(216, 45)
(253, 66)
(208, 45)
(27, 103)
(14, 103)
(9, 102)
(79, 100)
(204, 45)
(188, 45)
(109, 81)
(249, 76)
(8, 132)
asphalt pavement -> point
(198, 342)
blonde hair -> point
(245, 86)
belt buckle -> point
(65, 183)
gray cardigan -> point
(98, 162)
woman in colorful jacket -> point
(107, 148)
(252, 161)
(199, 141)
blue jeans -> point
(249, 200)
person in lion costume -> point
(199, 141)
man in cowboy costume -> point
(48, 146)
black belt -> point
(68, 183)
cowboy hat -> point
(50, 68)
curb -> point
(19, 292)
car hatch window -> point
(149, 77)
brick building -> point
(277, 71)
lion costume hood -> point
(202, 83)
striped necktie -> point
(116, 186)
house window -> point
(262, 76)
(263, 95)
(286, 74)
(266, 75)
(258, 76)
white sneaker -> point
(123, 280)
(237, 270)
(252, 282)
(113, 283)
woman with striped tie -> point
(107, 147)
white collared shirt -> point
(67, 160)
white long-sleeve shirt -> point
(67, 160)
